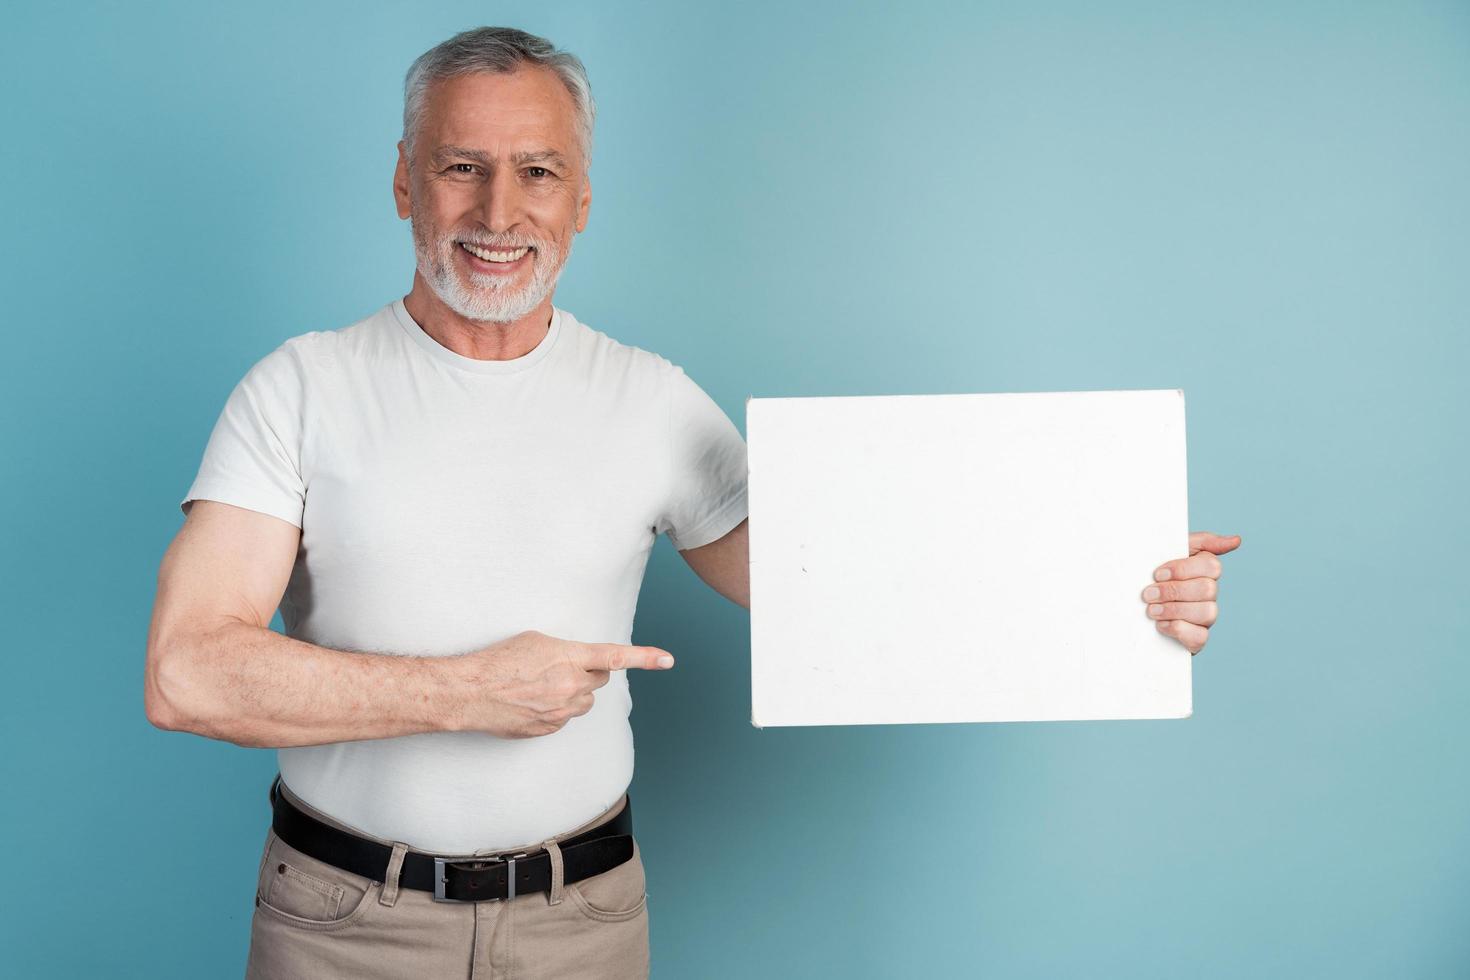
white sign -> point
(964, 558)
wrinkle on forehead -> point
(529, 108)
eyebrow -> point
(521, 158)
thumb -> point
(617, 656)
(1214, 543)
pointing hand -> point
(532, 684)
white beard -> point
(487, 297)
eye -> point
(469, 168)
(538, 172)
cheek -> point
(445, 205)
(553, 202)
(557, 222)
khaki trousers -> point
(314, 920)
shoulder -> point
(603, 354)
(308, 355)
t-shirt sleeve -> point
(253, 457)
(707, 492)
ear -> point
(400, 183)
(584, 203)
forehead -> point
(491, 111)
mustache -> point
(497, 241)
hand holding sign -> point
(1183, 597)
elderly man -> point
(452, 502)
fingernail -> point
(1161, 623)
(1151, 593)
(1163, 575)
(666, 661)
(1155, 610)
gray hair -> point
(501, 50)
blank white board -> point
(964, 557)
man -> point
(452, 502)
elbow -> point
(163, 690)
(160, 713)
(176, 698)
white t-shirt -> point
(446, 503)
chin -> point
(504, 308)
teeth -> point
(489, 256)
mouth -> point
(499, 260)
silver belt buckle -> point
(440, 879)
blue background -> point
(1265, 204)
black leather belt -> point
(477, 878)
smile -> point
(505, 257)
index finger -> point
(618, 656)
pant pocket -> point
(302, 891)
(618, 893)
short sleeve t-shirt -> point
(446, 503)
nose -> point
(500, 200)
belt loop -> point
(557, 872)
(389, 895)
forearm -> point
(257, 688)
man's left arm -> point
(1183, 600)
(724, 564)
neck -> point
(483, 340)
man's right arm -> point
(217, 669)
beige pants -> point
(314, 920)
